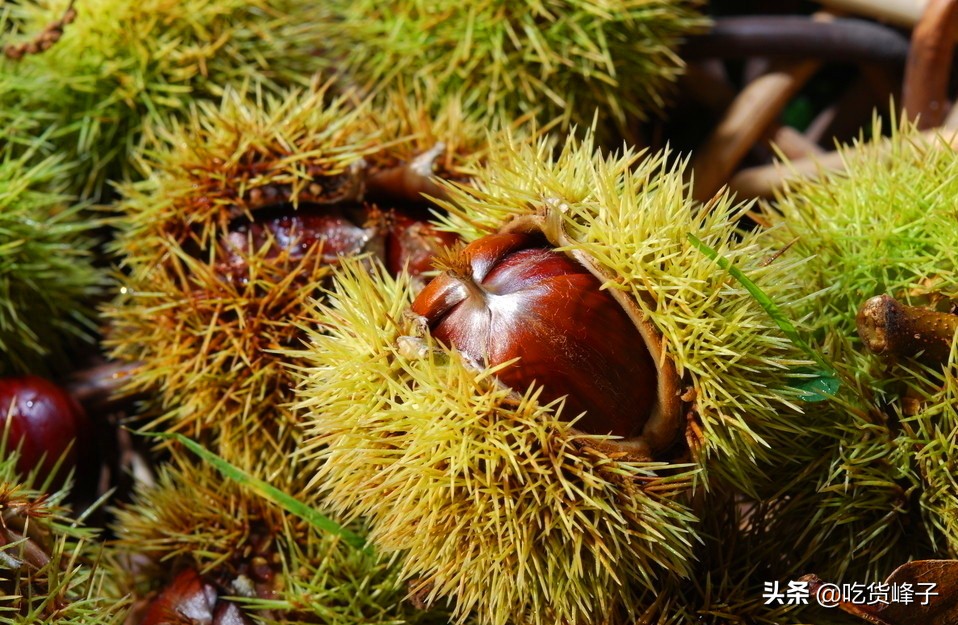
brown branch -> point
(765, 180)
(45, 39)
(745, 122)
(98, 388)
(925, 89)
(793, 144)
(798, 37)
(898, 12)
(892, 329)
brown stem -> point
(765, 180)
(794, 144)
(755, 108)
(43, 41)
(925, 90)
(899, 12)
(795, 37)
(31, 553)
(707, 84)
(408, 181)
(892, 329)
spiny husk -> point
(495, 500)
(192, 517)
(552, 58)
(881, 489)
(207, 343)
(70, 582)
(631, 216)
(121, 66)
(204, 341)
(48, 281)
(729, 582)
(491, 499)
(422, 124)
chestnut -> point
(189, 599)
(44, 421)
(511, 296)
(291, 232)
(412, 243)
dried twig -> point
(925, 90)
(50, 34)
(794, 144)
(765, 180)
(746, 120)
(707, 84)
(799, 37)
(98, 388)
(892, 329)
(898, 12)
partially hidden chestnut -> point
(188, 599)
(44, 421)
(412, 244)
(292, 232)
(512, 296)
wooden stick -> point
(765, 180)
(751, 113)
(951, 121)
(796, 37)
(793, 144)
(925, 89)
(898, 12)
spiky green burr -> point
(876, 487)
(48, 280)
(206, 314)
(119, 67)
(202, 316)
(52, 566)
(553, 58)
(632, 215)
(490, 497)
(279, 568)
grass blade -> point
(265, 490)
(816, 385)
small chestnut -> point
(284, 230)
(44, 421)
(188, 599)
(510, 295)
(412, 244)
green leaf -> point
(816, 385)
(823, 383)
(287, 502)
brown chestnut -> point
(45, 421)
(292, 232)
(188, 599)
(510, 295)
(413, 244)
